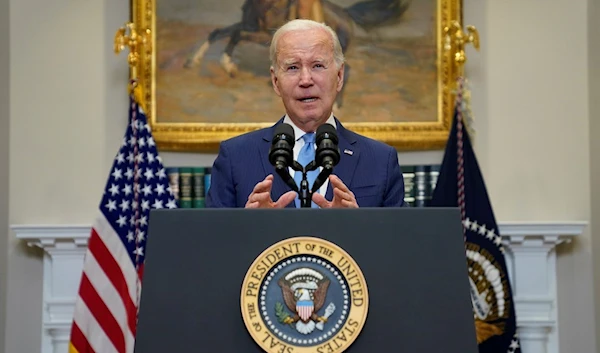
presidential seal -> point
(303, 295)
(489, 293)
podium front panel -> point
(413, 261)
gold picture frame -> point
(201, 136)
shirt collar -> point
(299, 132)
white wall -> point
(530, 99)
(594, 97)
(530, 102)
(68, 108)
(4, 118)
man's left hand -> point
(342, 196)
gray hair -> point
(304, 25)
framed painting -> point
(205, 75)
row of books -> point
(190, 184)
(419, 183)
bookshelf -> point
(191, 182)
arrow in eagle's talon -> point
(328, 311)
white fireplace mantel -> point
(530, 257)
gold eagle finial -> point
(455, 39)
(128, 37)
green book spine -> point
(185, 187)
(198, 194)
(207, 179)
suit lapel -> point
(279, 186)
(349, 153)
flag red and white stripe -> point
(106, 308)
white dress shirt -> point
(298, 133)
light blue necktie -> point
(307, 155)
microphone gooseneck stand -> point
(281, 157)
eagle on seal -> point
(304, 308)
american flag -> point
(106, 308)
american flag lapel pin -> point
(348, 152)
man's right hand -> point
(261, 196)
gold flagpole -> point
(455, 40)
(136, 42)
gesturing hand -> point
(261, 196)
(342, 196)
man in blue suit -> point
(307, 73)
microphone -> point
(281, 153)
(328, 152)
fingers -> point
(285, 199)
(264, 185)
(344, 198)
(338, 183)
(261, 194)
(349, 204)
(260, 197)
(321, 201)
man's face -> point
(306, 77)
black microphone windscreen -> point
(285, 129)
(281, 152)
(327, 131)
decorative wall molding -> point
(531, 260)
(47, 235)
(64, 248)
(530, 257)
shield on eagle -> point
(304, 308)
(304, 291)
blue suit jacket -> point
(371, 171)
